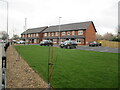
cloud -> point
(46, 12)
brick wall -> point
(75, 33)
(90, 34)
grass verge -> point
(74, 68)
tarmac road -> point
(98, 49)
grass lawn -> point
(74, 68)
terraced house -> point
(33, 35)
(83, 33)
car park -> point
(94, 43)
(69, 44)
(46, 43)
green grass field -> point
(74, 68)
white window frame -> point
(56, 34)
(36, 34)
(80, 32)
(68, 33)
(45, 34)
(28, 35)
(31, 35)
(49, 34)
(63, 33)
(54, 40)
(73, 32)
(52, 33)
(35, 40)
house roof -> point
(69, 27)
(35, 30)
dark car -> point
(46, 43)
(94, 43)
(69, 44)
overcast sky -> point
(104, 14)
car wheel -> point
(75, 46)
(61, 47)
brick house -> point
(33, 35)
(82, 32)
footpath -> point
(19, 74)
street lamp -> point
(7, 16)
(59, 30)
(25, 31)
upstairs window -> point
(28, 35)
(80, 32)
(48, 34)
(63, 33)
(56, 33)
(45, 34)
(68, 33)
(36, 34)
(52, 34)
(31, 35)
(73, 32)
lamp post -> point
(25, 31)
(59, 29)
(7, 16)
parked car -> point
(2, 41)
(14, 41)
(20, 42)
(46, 43)
(94, 43)
(69, 44)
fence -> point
(111, 44)
(4, 66)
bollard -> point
(3, 87)
(6, 46)
(3, 71)
(3, 78)
(3, 61)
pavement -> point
(98, 49)
(1, 53)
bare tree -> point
(108, 36)
(99, 37)
(4, 35)
(15, 37)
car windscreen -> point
(74, 42)
(67, 42)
